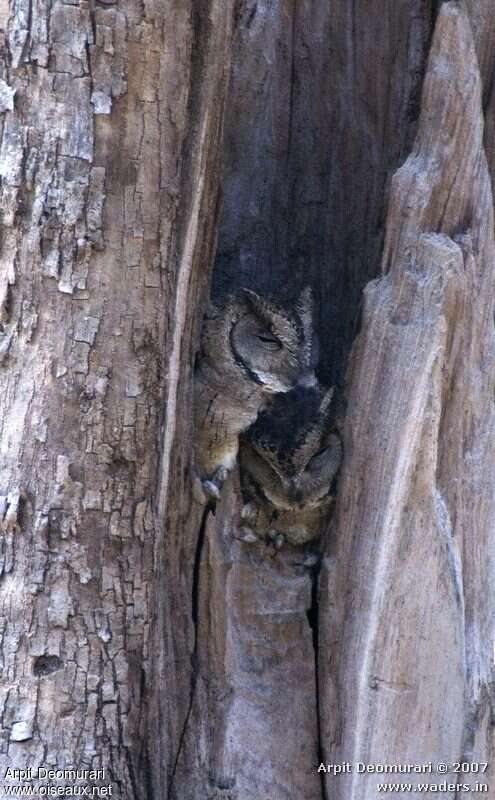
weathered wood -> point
(289, 189)
(253, 728)
(177, 542)
(135, 637)
(110, 128)
(406, 596)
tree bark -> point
(139, 634)
(111, 129)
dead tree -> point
(139, 635)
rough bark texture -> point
(110, 132)
(255, 685)
(138, 634)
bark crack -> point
(313, 620)
(195, 593)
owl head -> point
(296, 454)
(273, 347)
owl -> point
(251, 349)
(288, 461)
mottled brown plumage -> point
(288, 462)
(250, 349)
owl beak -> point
(307, 379)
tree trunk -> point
(408, 583)
(139, 634)
(111, 128)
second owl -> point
(288, 461)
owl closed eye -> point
(318, 461)
(272, 346)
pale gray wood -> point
(407, 591)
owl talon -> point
(211, 490)
(221, 475)
(277, 538)
(205, 491)
(247, 535)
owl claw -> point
(205, 491)
(277, 538)
(247, 535)
(221, 475)
(211, 490)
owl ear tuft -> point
(254, 302)
(326, 400)
(305, 307)
(275, 318)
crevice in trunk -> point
(313, 615)
(195, 593)
(300, 206)
(147, 773)
(292, 216)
